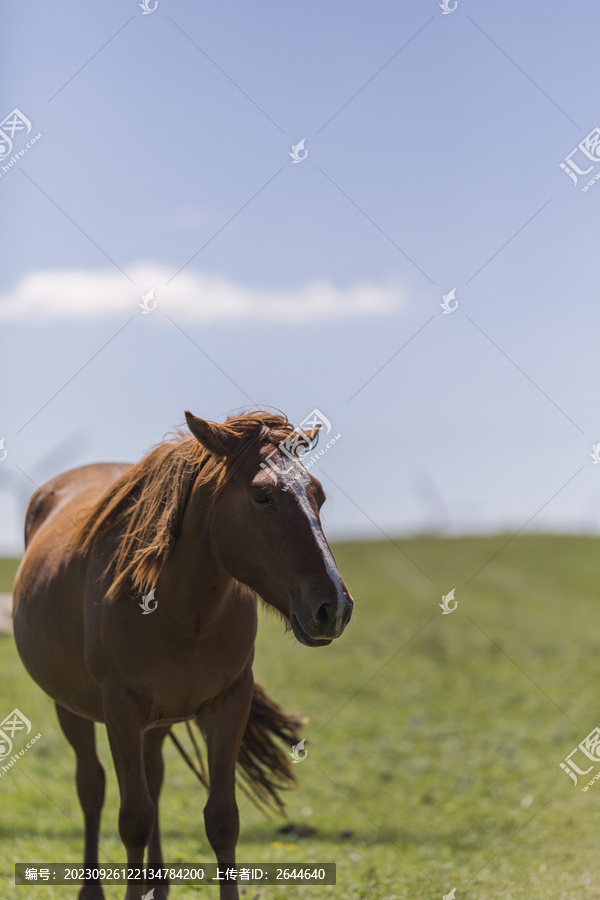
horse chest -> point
(177, 686)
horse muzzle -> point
(325, 622)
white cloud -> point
(79, 294)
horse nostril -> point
(323, 614)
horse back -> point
(75, 489)
(51, 527)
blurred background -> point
(430, 164)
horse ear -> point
(208, 434)
(312, 433)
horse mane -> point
(144, 507)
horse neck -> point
(192, 576)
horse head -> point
(265, 529)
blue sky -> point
(434, 144)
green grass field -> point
(434, 740)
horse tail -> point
(263, 768)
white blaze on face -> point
(295, 480)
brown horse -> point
(200, 522)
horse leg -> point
(153, 762)
(90, 787)
(125, 729)
(224, 722)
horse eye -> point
(262, 499)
